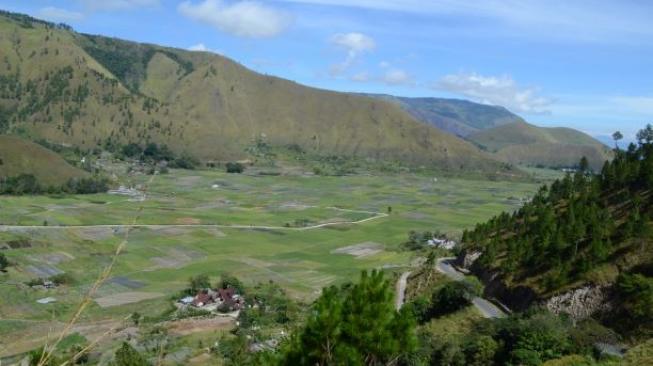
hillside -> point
(90, 90)
(523, 143)
(458, 117)
(583, 243)
(19, 156)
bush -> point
(453, 296)
(4, 262)
(62, 279)
(235, 167)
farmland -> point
(256, 227)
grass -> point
(163, 259)
(19, 156)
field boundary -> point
(376, 215)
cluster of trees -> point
(154, 153)
(27, 184)
(526, 339)
(235, 167)
(572, 226)
(354, 325)
(4, 262)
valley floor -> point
(303, 232)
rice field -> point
(258, 228)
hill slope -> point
(18, 156)
(458, 117)
(523, 143)
(91, 90)
(586, 232)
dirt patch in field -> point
(52, 258)
(95, 233)
(177, 258)
(360, 250)
(188, 221)
(127, 282)
(189, 326)
(126, 298)
(43, 270)
(189, 182)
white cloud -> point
(355, 44)
(118, 4)
(242, 18)
(201, 47)
(496, 90)
(59, 15)
(397, 77)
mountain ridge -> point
(94, 91)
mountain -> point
(456, 116)
(88, 91)
(19, 156)
(523, 143)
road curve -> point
(487, 309)
(401, 290)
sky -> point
(582, 64)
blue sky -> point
(585, 64)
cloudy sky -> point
(586, 64)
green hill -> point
(458, 117)
(523, 143)
(19, 156)
(589, 232)
(87, 91)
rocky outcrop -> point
(581, 303)
(467, 259)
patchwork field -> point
(303, 232)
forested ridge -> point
(585, 228)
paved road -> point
(377, 215)
(487, 309)
(401, 290)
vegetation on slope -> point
(91, 91)
(22, 157)
(583, 228)
(523, 143)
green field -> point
(158, 261)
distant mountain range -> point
(504, 134)
(456, 116)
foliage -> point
(4, 262)
(235, 167)
(126, 355)
(354, 325)
(198, 283)
(228, 280)
(452, 297)
(636, 293)
(572, 226)
(27, 184)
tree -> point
(584, 165)
(4, 263)
(126, 355)
(616, 137)
(645, 136)
(235, 167)
(453, 296)
(227, 280)
(199, 283)
(354, 325)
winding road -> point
(401, 290)
(487, 309)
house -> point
(187, 300)
(441, 243)
(203, 298)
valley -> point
(188, 220)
